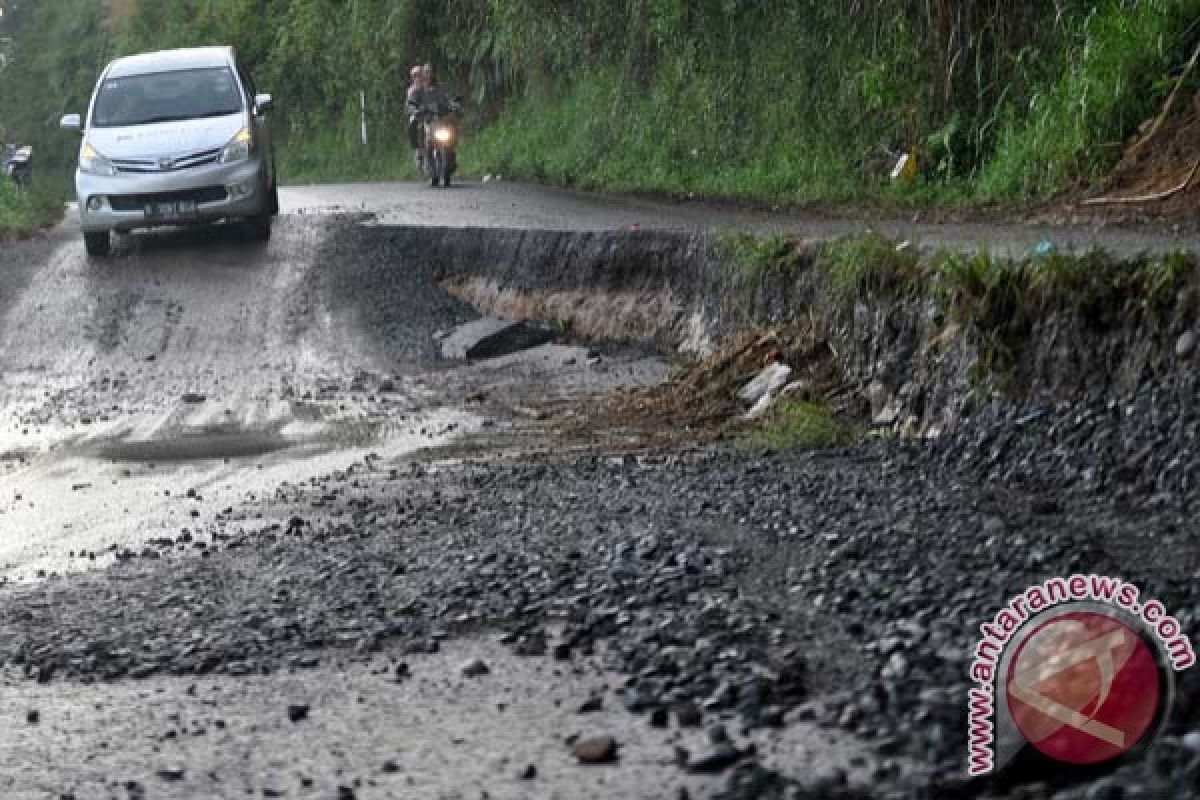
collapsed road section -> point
(422, 581)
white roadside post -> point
(362, 106)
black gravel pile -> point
(843, 587)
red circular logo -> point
(1083, 688)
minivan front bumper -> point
(219, 191)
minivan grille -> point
(138, 202)
(167, 164)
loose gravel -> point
(844, 587)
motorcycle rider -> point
(425, 96)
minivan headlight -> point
(238, 148)
(92, 162)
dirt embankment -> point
(916, 351)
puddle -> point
(196, 447)
(71, 507)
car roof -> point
(171, 60)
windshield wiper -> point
(153, 120)
(215, 114)
(175, 118)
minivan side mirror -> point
(70, 122)
(263, 103)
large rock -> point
(490, 337)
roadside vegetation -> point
(797, 424)
(23, 212)
(799, 101)
(996, 301)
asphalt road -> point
(517, 205)
(197, 388)
(199, 357)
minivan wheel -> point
(259, 226)
(97, 244)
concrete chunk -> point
(773, 378)
(490, 337)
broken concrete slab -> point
(773, 378)
(490, 337)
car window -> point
(166, 96)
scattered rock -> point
(528, 773)
(592, 704)
(596, 750)
(688, 714)
(717, 759)
(474, 668)
(171, 773)
(1185, 345)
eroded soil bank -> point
(923, 339)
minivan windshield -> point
(165, 97)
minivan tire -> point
(259, 226)
(97, 244)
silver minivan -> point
(176, 137)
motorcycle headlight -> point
(444, 135)
(92, 162)
(238, 148)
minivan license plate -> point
(167, 211)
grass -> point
(756, 257)
(857, 266)
(996, 302)
(792, 424)
(1109, 78)
(24, 211)
(1000, 301)
(328, 156)
(697, 124)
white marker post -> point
(362, 105)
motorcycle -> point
(18, 164)
(437, 157)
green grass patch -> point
(756, 257)
(1108, 74)
(996, 301)
(24, 211)
(857, 266)
(794, 424)
(334, 156)
(999, 301)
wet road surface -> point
(514, 205)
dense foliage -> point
(795, 99)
